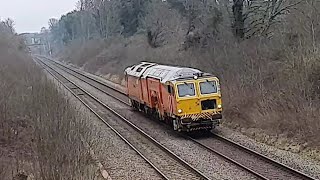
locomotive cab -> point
(199, 104)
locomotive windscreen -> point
(186, 89)
(208, 87)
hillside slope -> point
(269, 65)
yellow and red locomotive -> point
(186, 98)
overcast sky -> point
(31, 15)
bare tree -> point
(238, 24)
(203, 18)
(156, 34)
(304, 25)
(8, 26)
(157, 23)
(52, 23)
(260, 16)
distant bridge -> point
(36, 43)
(33, 39)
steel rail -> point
(229, 159)
(85, 75)
(257, 154)
(252, 152)
(166, 150)
(101, 83)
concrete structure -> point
(36, 43)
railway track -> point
(167, 164)
(252, 161)
(115, 93)
(249, 160)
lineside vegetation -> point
(39, 129)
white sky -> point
(31, 15)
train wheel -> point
(134, 104)
(141, 107)
(131, 103)
(168, 120)
(146, 110)
(175, 125)
(160, 117)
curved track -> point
(251, 161)
(167, 164)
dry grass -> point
(61, 153)
(279, 95)
(40, 130)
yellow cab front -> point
(199, 103)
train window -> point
(208, 87)
(186, 89)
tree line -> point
(94, 19)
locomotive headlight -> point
(219, 106)
(180, 111)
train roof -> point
(162, 72)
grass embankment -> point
(270, 88)
(39, 129)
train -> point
(186, 98)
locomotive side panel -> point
(154, 92)
(145, 92)
(134, 88)
(168, 100)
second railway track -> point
(253, 162)
(166, 163)
(262, 166)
